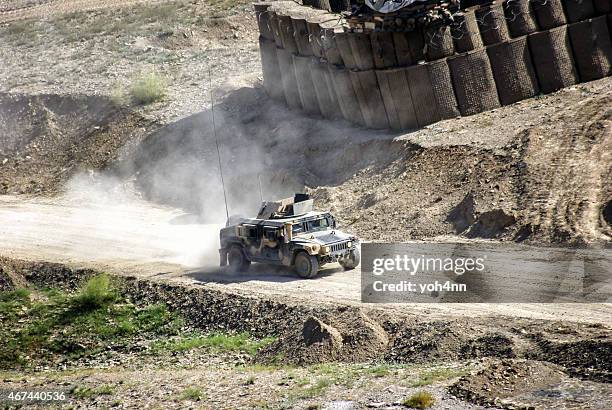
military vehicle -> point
(289, 233)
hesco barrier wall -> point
(493, 55)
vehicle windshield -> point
(317, 225)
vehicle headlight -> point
(349, 244)
(325, 249)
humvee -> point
(289, 233)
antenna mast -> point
(212, 111)
(260, 191)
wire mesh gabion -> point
(397, 97)
(383, 51)
(370, 100)
(442, 85)
(305, 86)
(302, 37)
(425, 105)
(329, 45)
(552, 59)
(438, 43)
(602, 6)
(492, 24)
(347, 99)
(549, 13)
(271, 69)
(288, 80)
(578, 10)
(403, 80)
(345, 51)
(592, 48)
(513, 70)
(323, 88)
(473, 82)
(275, 29)
(263, 20)
(465, 32)
(362, 50)
(314, 33)
(285, 28)
(520, 17)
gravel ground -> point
(100, 52)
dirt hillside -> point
(543, 179)
(537, 170)
(540, 170)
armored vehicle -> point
(289, 233)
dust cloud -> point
(164, 202)
(103, 218)
(159, 198)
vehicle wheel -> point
(351, 261)
(237, 260)
(306, 265)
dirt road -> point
(133, 237)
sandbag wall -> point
(494, 55)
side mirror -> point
(332, 222)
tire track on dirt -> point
(569, 169)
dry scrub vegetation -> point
(49, 327)
(64, 336)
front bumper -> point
(338, 251)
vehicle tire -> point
(306, 266)
(237, 260)
(352, 261)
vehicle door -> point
(250, 238)
(272, 241)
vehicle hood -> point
(322, 237)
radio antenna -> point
(260, 191)
(212, 112)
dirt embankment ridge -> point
(47, 139)
(546, 177)
(310, 334)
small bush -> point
(96, 293)
(219, 342)
(192, 393)
(432, 376)
(314, 390)
(17, 295)
(118, 96)
(83, 392)
(148, 89)
(420, 400)
(380, 370)
(11, 304)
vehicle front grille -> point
(339, 246)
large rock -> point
(317, 332)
